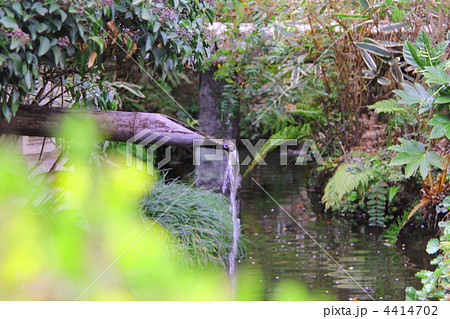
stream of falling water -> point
(231, 183)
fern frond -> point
(346, 180)
(388, 106)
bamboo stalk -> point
(115, 126)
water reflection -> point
(283, 251)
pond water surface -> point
(330, 257)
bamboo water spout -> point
(114, 125)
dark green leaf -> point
(7, 112)
(44, 46)
(375, 49)
(57, 55)
(41, 27)
(17, 62)
(412, 57)
(53, 7)
(441, 125)
(364, 4)
(9, 22)
(442, 100)
(414, 155)
(156, 26)
(17, 8)
(433, 246)
(15, 43)
(28, 78)
(412, 95)
(392, 192)
(436, 75)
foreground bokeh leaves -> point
(77, 234)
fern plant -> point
(376, 204)
(347, 178)
(388, 106)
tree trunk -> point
(115, 126)
(209, 173)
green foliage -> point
(436, 284)
(433, 246)
(395, 227)
(422, 54)
(414, 155)
(62, 41)
(199, 221)
(376, 55)
(388, 106)
(347, 178)
(415, 95)
(229, 102)
(376, 204)
(441, 125)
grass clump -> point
(199, 220)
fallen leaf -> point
(84, 46)
(133, 49)
(110, 25)
(92, 57)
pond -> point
(329, 256)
